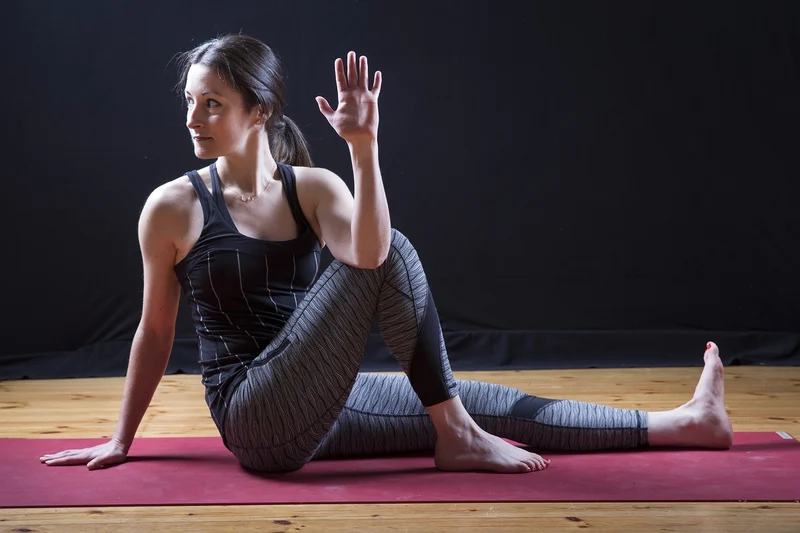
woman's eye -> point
(210, 102)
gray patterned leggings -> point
(306, 399)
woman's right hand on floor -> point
(110, 453)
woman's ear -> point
(263, 115)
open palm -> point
(107, 454)
(356, 116)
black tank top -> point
(242, 290)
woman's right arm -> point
(152, 343)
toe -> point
(712, 348)
(535, 465)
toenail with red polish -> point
(708, 346)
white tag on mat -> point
(784, 435)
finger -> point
(376, 85)
(352, 72)
(58, 455)
(363, 74)
(324, 107)
(94, 464)
(66, 461)
(338, 68)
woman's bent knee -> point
(398, 238)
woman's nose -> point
(193, 118)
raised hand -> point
(356, 117)
(107, 454)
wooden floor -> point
(758, 399)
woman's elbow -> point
(373, 260)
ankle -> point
(687, 419)
(452, 420)
(462, 432)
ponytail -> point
(288, 144)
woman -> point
(280, 349)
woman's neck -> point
(248, 173)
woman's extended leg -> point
(369, 424)
(295, 390)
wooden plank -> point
(757, 398)
(513, 517)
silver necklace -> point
(248, 197)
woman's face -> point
(216, 116)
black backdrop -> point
(589, 184)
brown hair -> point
(253, 69)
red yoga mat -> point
(200, 471)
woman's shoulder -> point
(316, 180)
(172, 201)
(177, 194)
(313, 173)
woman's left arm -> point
(357, 229)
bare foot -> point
(712, 427)
(702, 421)
(475, 449)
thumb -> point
(324, 107)
(94, 464)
